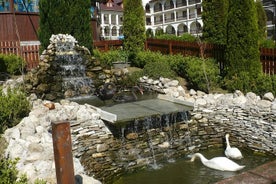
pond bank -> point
(264, 174)
(249, 119)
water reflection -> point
(185, 172)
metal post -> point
(63, 152)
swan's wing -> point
(233, 153)
(223, 164)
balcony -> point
(181, 18)
(171, 19)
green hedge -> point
(201, 74)
(12, 64)
(14, 107)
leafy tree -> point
(261, 20)
(214, 18)
(66, 17)
(242, 51)
(134, 26)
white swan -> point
(218, 163)
(232, 152)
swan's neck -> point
(202, 158)
(227, 142)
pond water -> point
(182, 171)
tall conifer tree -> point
(214, 17)
(66, 17)
(242, 51)
(134, 26)
(261, 20)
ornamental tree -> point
(261, 20)
(214, 17)
(66, 17)
(242, 51)
(134, 26)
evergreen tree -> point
(134, 26)
(261, 20)
(242, 51)
(214, 17)
(66, 17)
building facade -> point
(174, 16)
(19, 18)
(168, 16)
(270, 9)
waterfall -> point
(71, 70)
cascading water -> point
(147, 124)
(63, 71)
(70, 67)
(158, 150)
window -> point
(4, 5)
(26, 5)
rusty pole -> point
(63, 152)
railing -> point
(267, 56)
(30, 53)
(107, 45)
(268, 59)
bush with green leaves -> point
(9, 172)
(14, 107)
(131, 79)
(10, 175)
(12, 64)
(144, 57)
(202, 74)
(246, 83)
(158, 69)
(267, 44)
(111, 56)
(273, 84)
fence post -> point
(63, 152)
(170, 47)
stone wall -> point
(105, 151)
(251, 122)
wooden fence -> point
(30, 53)
(268, 59)
(267, 56)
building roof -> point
(112, 5)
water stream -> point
(185, 172)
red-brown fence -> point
(30, 53)
(107, 45)
(267, 56)
(268, 59)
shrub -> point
(14, 107)
(12, 64)
(144, 57)
(8, 172)
(159, 69)
(202, 74)
(267, 44)
(107, 58)
(273, 84)
(131, 79)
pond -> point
(182, 171)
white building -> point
(168, 16)
(174, 16)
